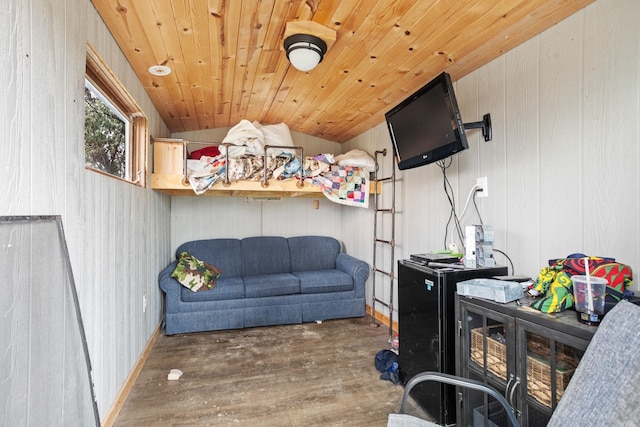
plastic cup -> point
(588, 294)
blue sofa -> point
(266, 281)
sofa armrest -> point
(170, 286)
(355, 268)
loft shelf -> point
(168, 177)
(174, 185)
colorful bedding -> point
(346, 185)
(246, 167)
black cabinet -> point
(526, 355)
(427, 330)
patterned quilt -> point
(346, 185)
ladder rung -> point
(382, 271)
(389, 242)
(386, 178)
(382, 302)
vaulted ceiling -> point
(228, 62)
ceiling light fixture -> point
(159, 70)
(305, 51)
(306, 43)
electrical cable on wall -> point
(452, 215)
(507, 257)
(448, 191)
(472, 193)
(476, 206)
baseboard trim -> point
(382, 318)
(117, 405)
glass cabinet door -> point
(551, 358)
(528, 357)
(487, 346)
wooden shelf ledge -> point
(173, 185)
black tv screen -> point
(427, 127)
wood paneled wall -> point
(563, 167)
(117, 233)
(129, 248)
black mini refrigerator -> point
(427, 332)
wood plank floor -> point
(314, 374)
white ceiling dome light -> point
(306, 43)
(305, 51)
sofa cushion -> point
(271, 285)
(225, 289)
(223, 253)
(313, 253)
(315, 282)
(264, 255)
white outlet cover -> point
(482, 182)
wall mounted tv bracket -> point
(485, 125)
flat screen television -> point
(427, 127)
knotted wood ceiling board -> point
(228, 62)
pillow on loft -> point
(357, 158)
(195, 274)
(277, 135)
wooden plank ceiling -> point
(228, 62)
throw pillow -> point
(195, 274)
(358, 158)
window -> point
(115, 133)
